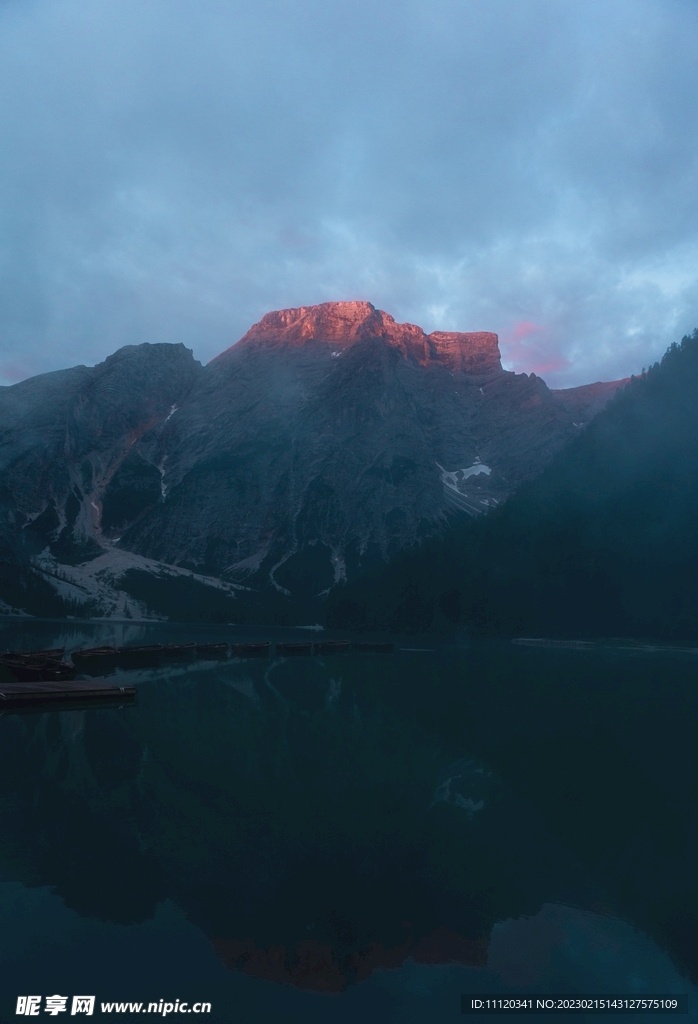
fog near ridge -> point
(172, 170)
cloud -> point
(528, 347)
(172, 170)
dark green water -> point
(354, 838)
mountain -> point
(63, 437)
(584, 402)
(604, 543)
(326, 440)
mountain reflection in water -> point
(321, 819)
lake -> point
(355, 837)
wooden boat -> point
(178, 650)
(284, 649)
(57, 694)
(371, 647)
(258, 650)
(333, 647)
(54, 654)
(32, 670)
(139, 657)
(24, 670)
(212, 650)
(59, 670)
(94, 659)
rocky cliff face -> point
(327, 436)
(64, 435)
(342, 324)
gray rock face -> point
(584, 402)
(64, 435)
(327, 436)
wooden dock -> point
(60, 693)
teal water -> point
(357, 837)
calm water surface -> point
(353, 838)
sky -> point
(170, 170)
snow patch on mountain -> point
(473, 504)
(450, 479)
(249, 565)
(161, 471)
(96, 583)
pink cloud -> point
(531, 348)
(11, 372)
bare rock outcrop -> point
(341, 324)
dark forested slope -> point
(604, 542)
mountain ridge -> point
(327, 438)
(343, 324)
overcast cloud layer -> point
(170, 170)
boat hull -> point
(293, 650)
(260, 650)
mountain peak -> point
(341, 324)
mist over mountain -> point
(325, 441)
(603, 543)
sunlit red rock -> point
(341, 324)
(474, 352)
